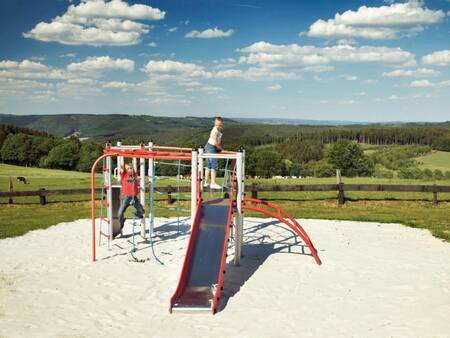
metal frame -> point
(152, 153)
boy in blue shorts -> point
(214, 146)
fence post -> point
(254, 191)
(435, 197)
(169, 195)
(10, 199)
(338, 176)
(42, 197)
(341, 194)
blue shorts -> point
(211, 163)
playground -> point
(375, 280)
(261, 277)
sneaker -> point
(215, 186)
(206, 185)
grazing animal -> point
(22, 179)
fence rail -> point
(254, 189)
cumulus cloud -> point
(171, 68)
(419, 72)
(439, 58)
(272, 61)
(97, 22)
(101, 63)
(274, 88)
(384, 22)
(210, 33)
(27, 69)
(421, 84)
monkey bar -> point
(284, 217)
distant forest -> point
(272, 149)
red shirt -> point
(129, 188)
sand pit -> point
(377, 280)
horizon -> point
(357, 61)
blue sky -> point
(340, 60)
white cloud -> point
(68, 55)
(27, 69)
(152, 44)
(445, 83)
(172, 29)
(421, 84)
(101, 63)
(351, 78)
(175, 68)
(25, 65)
(210, 33)
(384, 22)
(118, 85)
(274, 88)
(419, 72)
(439, 58)
(97, 22)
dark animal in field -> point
(22, 179)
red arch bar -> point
(283, 217)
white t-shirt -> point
(215, 137)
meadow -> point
(412, 209)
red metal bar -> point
(94, 166)
(216, 296)
(295, 226)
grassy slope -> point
(410, 209)
(435, 160)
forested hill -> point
(193, 131)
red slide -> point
(201, 280)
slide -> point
(201, 279)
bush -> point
(410, 173)
(381, 172)
(89, 152)
(264, 163)
(447, 175)
(427, 174)
(438, 175)
(321, 169)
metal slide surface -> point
(204, 258)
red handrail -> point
(216, 296)
(288, 220)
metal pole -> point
(142, 192)
(109, 199)
(200, 166)
(151, 179)
(194, 173)
(119, 163)
(238, 216)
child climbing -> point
(214, 146)
(130, 188)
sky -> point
(368, 61)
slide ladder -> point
(275, 211)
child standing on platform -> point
(214, 146)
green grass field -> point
(435, 160)
(411, 209)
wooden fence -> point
(254, 189)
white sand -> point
(377, 280)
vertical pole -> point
(238, 216)
(435, 196)
(194, 174)
(142, 188)
(119, 163)
(108, 188)
(151, 179)
(10, 199)
(200, 167)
